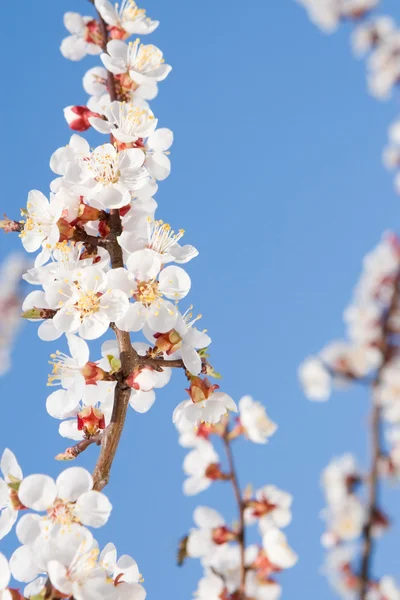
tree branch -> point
(241, 506)
(376, 450)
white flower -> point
(67, 370)
(5, 577)
(210, 587)
(10, 503)
(142, 62)
(40, 227)
(324, 13)
(384, 70)
(126, 16)
(80, 576)
(207, 410)
(363, 322)
(152, 291)
(142, 380)
(389, 589)
(277, 549)
(65, 158)
(259, 589)
(127, 122)
(95, 84)
(338, 477)
(86, 305)
(196, 465)
(85, 36)
(211, 533)
(315, 379)
(271, 508)
(93, 411)
(157, 146)
(159, 237)
(255, 421)
(67, 500)
(108, 177)
(124, 572)
(345, 520)
(182, 342)
(354, 360)
(368, 34)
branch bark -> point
(241, 534)
(376, 449)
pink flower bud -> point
(90, 420)
(77, 117)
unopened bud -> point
(91, 420)
(77, 117)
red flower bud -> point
(77, 117)
(90, 420)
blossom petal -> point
(37, 492)
(72, 483)
(93, 509)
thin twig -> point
(241, 534)
(376, 450)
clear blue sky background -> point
(277, 179)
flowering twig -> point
(241, 532)
(376, 446)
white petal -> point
(93, 509)
(206, 517)
(142, 401)
(28, 528)
(37, 492)
(161, 140)
(8, 516)
(72, 483)
(191, 359)
(174, 282)
(47, 332)
(22, 565)
(5, 574)
(9, 465)
(79, 349)
(62, 404)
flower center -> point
(147, 292)
(144, 58)
(105, 167)
(88, 303)
(161, 237)
(92, 33)
(62, 365)
(62, 513)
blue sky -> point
(277, 179)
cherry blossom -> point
(86, 305)
(5, 577)
(10, 503)
(126, 121)
(254, 420)
(143, 63)
(85, 37)
(67, 500)
(126, 17)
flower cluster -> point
(328, 14)
(105, 263)
(371, 357)
(232, 567)
(57, 548)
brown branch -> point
(241, 534)
(376, 450)
(128, 356)
(74, 451)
